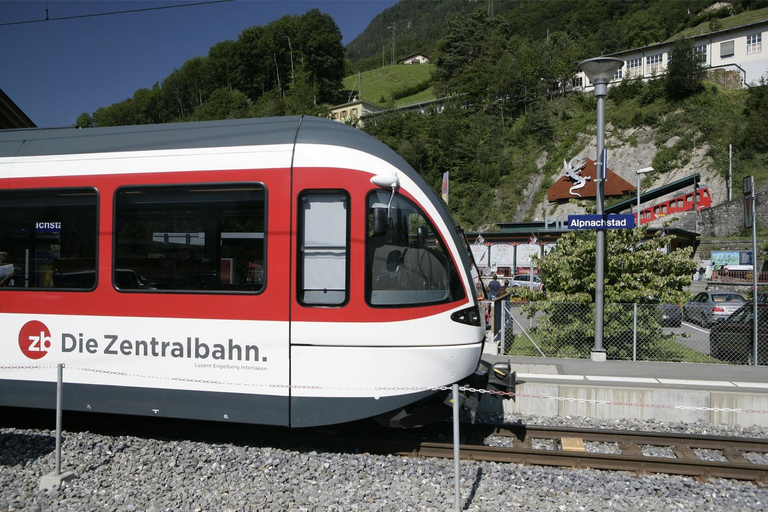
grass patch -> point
(383, 83)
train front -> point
(410, 325)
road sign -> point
(623, 221)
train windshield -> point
(407, 262)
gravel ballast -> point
(125, 473)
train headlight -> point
(469, 316)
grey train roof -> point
(235, 132)
(238, 132)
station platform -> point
(670, 392)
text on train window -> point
(48, 238)
(207, 238)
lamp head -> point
(600, 71)
(645, 170)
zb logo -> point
(35, 339)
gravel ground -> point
(124, 473)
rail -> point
(735, 452)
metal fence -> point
(632, 332)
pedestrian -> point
(493, 287)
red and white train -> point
(289, 271)
(681, 203)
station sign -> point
(622, 221)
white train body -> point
(245, 271)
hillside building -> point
(738, 51)
(416, 58)
(353, 111)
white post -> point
(634, 340)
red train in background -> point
(681, 203)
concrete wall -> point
(610, 402)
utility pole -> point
(730, 171)
(393, 43)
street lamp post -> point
(644, 170)
(600, 71)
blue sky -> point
(55, 70)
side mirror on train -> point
(385, 181)
(380, 214)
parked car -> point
(525, 280)
(731, 339)
(706, 308)
(671, 315)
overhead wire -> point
(110, 13)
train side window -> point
(193, 238)
(48, 238)
(407, 263)
(323, 260)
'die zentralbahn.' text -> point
(192, 349)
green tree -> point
(754, 134)
(223, 104)
(684, 72)
(637, 267)
(638, 270)
(302, 95)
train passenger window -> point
(196, 238)
(323, 260)
(48, 238)
(407, 263)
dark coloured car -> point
(706, 308)
(671, 315)
(731, 339)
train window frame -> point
(454, 291)
(199, 281)
(302, 249)
(9, 277)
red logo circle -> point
(35, 339)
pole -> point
(754, 275)
(456, 451)
(634, 330)
(638, 200)
(55, 479)
(59, 396)
(598, 352)
(730, 171)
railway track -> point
(570, 451)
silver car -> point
(525, 280)
(706, 308)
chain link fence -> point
(632, 332)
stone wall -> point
(727, 219)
